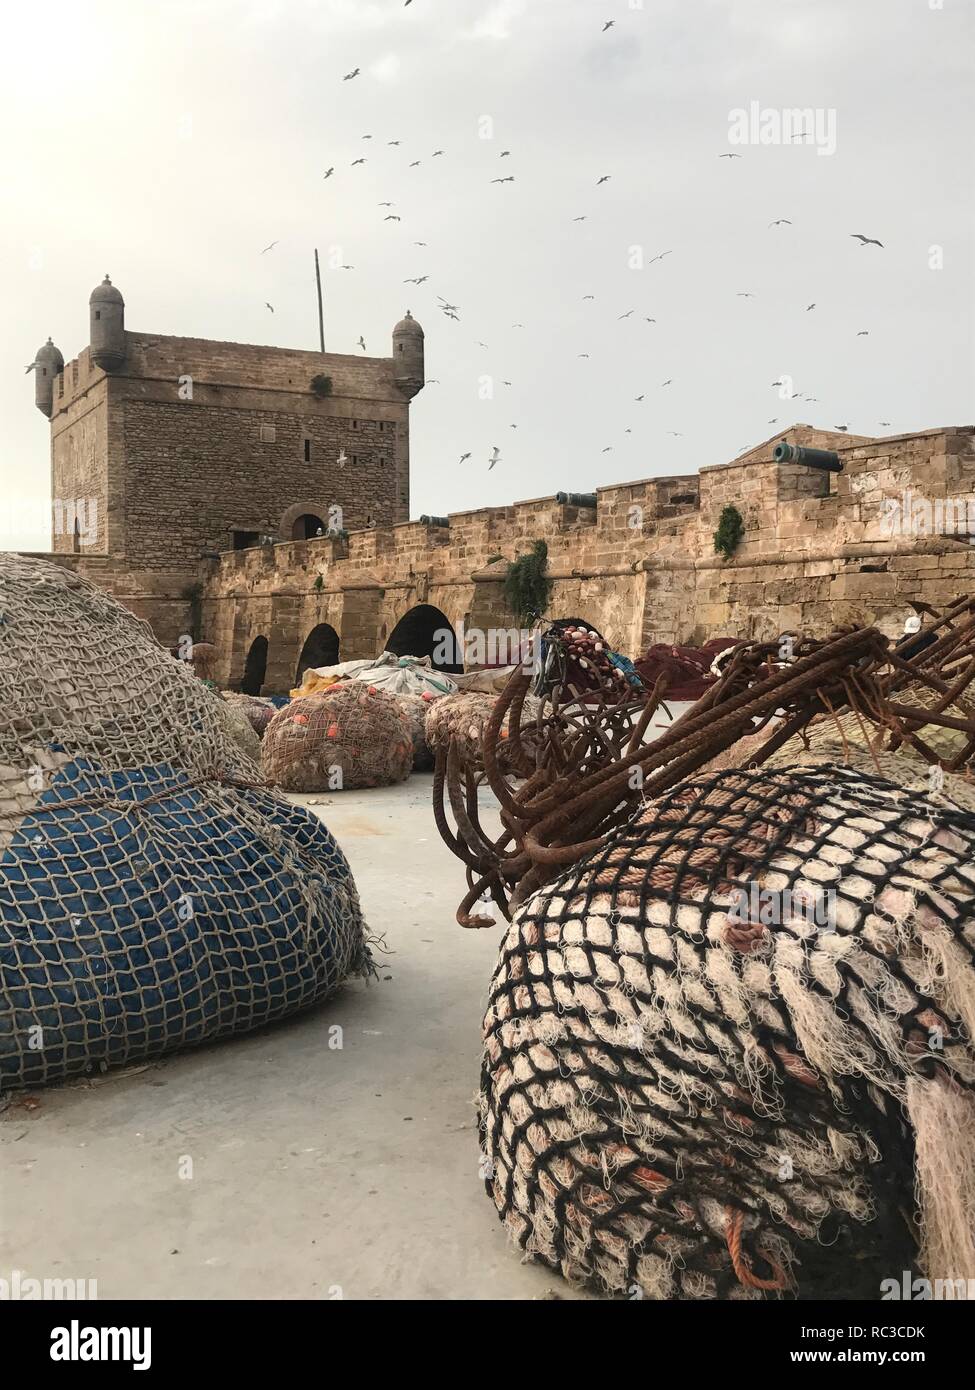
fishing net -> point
(152, 893)
(257, 710)
(729, 1052)
(464, 718)
(347, 736)
(240, 729)
(416, 708)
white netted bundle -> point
(728, 1053)
(465, 716)
(347, 736)
(153, 892)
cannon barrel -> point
(576, 499)
(434, 520)
(826, 459)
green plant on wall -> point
(319, 583)
(321, 385)
(527, 588)
(731, 529)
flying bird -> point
(866, 240)
(392, 217)
(504, 154)
(864, 333)
(589, 296)
(355, 162)
(349, 75)
(506, 383)
(30, 368)
(346, 267)
(810, 306)
(269, 248)
(385, 205)
(435, 153)
(677, 435)
(517, 325)
(415, 163)
(661, 256)
(417, 280)
(580, 219)
(843, 428)
(269, 306)
(393, 142)
(445, 303)
(638, 398)
(463, 458)
(608, 25)
(419, 243)
(626, 315)
(605, 179)
(583, 354)
(884, 422)
(495, 455)
(774, 421)
(781, 222)
(744, 294)
(329, 172)
(646, 320)
(514, 427)
(361, 343)
(667, 382)
(509, 179)
(367, 137)
(729, 156)
(607, 450)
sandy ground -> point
(314, 1169)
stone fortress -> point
(231, 493)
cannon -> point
(826, 459)
(576, 499)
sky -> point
(169, 144)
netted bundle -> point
(257, 711)
(241, 731)
(464, 717)
(416, 708)
(152, 893)
(726, 1053)
(347, 736)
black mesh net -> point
(723, 1051)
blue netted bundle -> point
(154, 893)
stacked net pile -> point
(256, 710)
(464, 717)
(416, 708)
(152, 893)
(729, 1053)
(239, 728)
(347, 736)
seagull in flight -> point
(349, 75)
(355, 162)
(744, 294)
(445, 304)
(607, 450)
(419, 243)
(504, 154)
(417, 280)
(589, 296)
(506, 383)
(844, 428)
(329, 172)
(435, 153)
(864, 333)
(626, 315)
(509, 179)
(866, 240)
(416, 163)
(661, 256)
(495, 456)
(605, 179)
(346, 267)
(667, 382)
(646, 320)
(781, 222)
(583, 354)
(393, 142)
(392, 217)
(30, 368)
(608, 25)
(729, 156)
(810, 306)
(580, 219)
(269, 248)
(361, 343)
(269, 306)
(463, 458)
(385, 205)
(638, 398)
(677, 435)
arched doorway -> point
(255, 667)
(321, 649)
(306, 526)
(425, 631)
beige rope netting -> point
(347, 736)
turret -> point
(107, 317)
(408, 370)
(48, 363)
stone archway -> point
(255, 667)
(426, 631)
(321, 648)
(316, 509)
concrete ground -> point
(314, 1170)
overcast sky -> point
(168, 144)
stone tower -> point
(408, 355)
(48, 364)
(106, 309)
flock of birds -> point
(452, 311)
